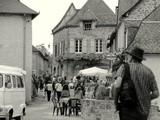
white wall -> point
(11, 37)
(153, 62)
(120, 37)
(16, 45)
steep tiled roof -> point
(88, 15)
(133, 4)
(125, 5)
(99, 10)
(148, 37)
(15, 7)
(130, 23)
(154, 16)
(34, 49)
(62, 21)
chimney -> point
(116, 12)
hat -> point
(137, 52)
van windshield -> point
(1, 81)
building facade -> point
(16, 38)
(40, 62)
(80, 38)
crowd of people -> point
(143, 80)
(57, 90)
(39, 82)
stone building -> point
(80, 38)
(40, 62)
(139, 25)
(16, 38)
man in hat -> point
(144, 82)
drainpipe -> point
(24, 46)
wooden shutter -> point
(104, 46)
(84, 46)
(92, 46)
(72, 45)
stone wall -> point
(104, 110)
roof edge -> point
(131, 9)
(33, 14)
(64, 16)
(100, 25)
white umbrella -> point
(94, 71)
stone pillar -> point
(65, 68)
(27, 56)
(70, 70)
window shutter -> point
(103, 44)
(84, 47)
(92, 47)
(72, 46)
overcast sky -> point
(51, 12)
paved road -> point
(41, 109)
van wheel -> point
(9, 116)
(19, 117)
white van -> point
(12, 93)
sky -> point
(51, 12)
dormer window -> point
(87, 25)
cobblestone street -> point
(41, 109)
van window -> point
(20, 82)
(7, 81)
(1, 81)
(14, 81)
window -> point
(20, 82)
(58, 49)
(87, 25)
(78, 46)
(63, 46)
(55, 50)
(98, 45)
(14, 81)
(1, 81)
(8, 83)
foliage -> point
(88, 57)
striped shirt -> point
(145, 83)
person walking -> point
(144, 83)
(97, 83)
(41, 82)
(54, 84)
(49, 90)
(78, 93)
(65, 97)
(59, 89)
(101, 93)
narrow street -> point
(41, 109)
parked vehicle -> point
(12, 93)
